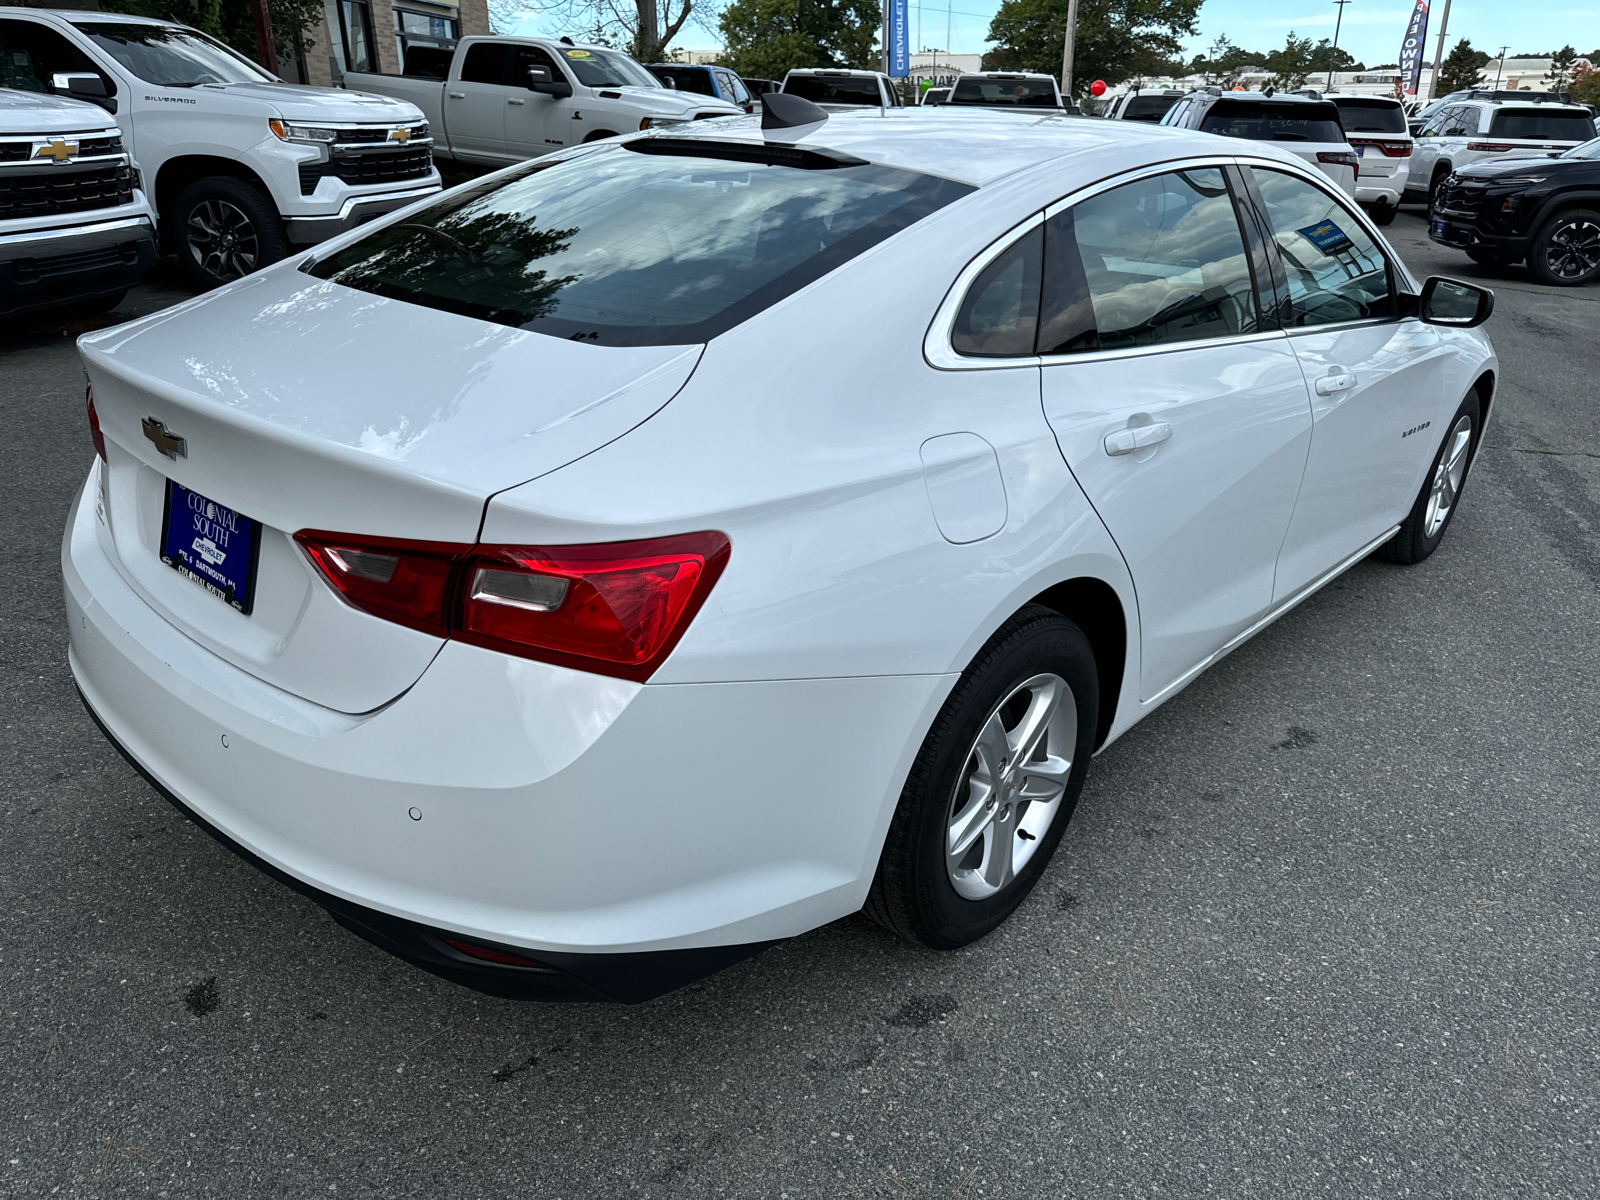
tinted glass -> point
(1371, 116)
(30, 54)
(822, 89)
(1587, 150)
(1541, 126)
(627, 248)
(1001, 310)
(1008, 93)
(523, 57)
(1336, 272)
(1147, 108)
(1165, 261)
(485, 63)
(607, 68)
(688, 79)
(171, 57)
(1264, 121)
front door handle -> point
(456, 95)
(511, 101)
(1341, 381)
(1137, 437)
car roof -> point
(1275, 98)
(1362, 96)
(830, 71)
(1004, 75)
(981, 145)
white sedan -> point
(599, 572)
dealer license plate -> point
(211, 545)
(1438, 229)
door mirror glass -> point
(1453, 303)
(540, 80)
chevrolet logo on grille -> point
(170, 444)
(57, 148)
(399, 135)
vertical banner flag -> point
(899, 38)
(1411, 50)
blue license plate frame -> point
(1438, 229)
(211, 545)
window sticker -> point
(579, 54)
(1325, 236)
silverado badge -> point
(170, 444)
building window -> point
(423, 29)
(355, 24)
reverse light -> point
(615, 609)
(402, 581)
(98, 438)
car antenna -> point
(566, 41)
(1267, 91)
(784, 110)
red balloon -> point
(1097, 88)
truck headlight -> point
(661, 122)
(291, 132)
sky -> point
(1371, 31)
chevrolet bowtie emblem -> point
(170, 444)
(399, 135)
(58, 149)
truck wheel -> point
(1566, 250)
(1383, 214)
(223, 229)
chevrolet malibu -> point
(597, 573)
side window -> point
(1162, 260)
(1471, 121)
(1000, 314)
(1336, 272)
(485, 63)
(31, 53)
(1437, 122)
(523, 57)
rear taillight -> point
(487, 954)
(1347, 158)
(1491, 147)
(616, 609)
(95, 436)
(401, 581)
(1390, 149)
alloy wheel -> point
(1448, 473)
(1008, 794)
(1573, 249)
(222, 240)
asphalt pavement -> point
(1324, 925)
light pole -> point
(1500, 67)
(1333, 54)
(1438, 54)
(1066, 51)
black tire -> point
(1383, 214)
(1440, 174)
(913, 893)
(1414, 542)
(223, 229)
(1565, 252)
(1487, 258)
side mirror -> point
(83, 86)
(541, 80)
(1455, 304)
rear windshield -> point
(687, 79)
(1010, 93)
(1148, 108)
(1268, 122)
(1371, 116)
(837, 89)
(626, 248)
(1541, 125)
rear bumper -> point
(630, 837)
(1385, 192)
(46, 268)
(307, 231)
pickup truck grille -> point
(358, 169)
(47, 193)
(15, 150)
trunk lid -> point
(307, 405)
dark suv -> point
(1544, 209)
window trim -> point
(938, 344)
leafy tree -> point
(1115, 38)
(1224, 61)
(1585, 87)
(1328, 57)
(1292, 65)
(1460, 69)
(1563, 63)
(765, 38)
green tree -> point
(1563, 63)
(1292, 65)
(1585, 87)
(1115, 40)
(765, 38)
(1222, 63)
(1460, 68)
(1328, 57)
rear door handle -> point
(456, 95)
(510, 101)
(1329, 385)
(1126, 441)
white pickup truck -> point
(74, 225)
(239, 165)
(499, 100)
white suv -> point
(1375, 127)
(1307, 128)
(1481, 127)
